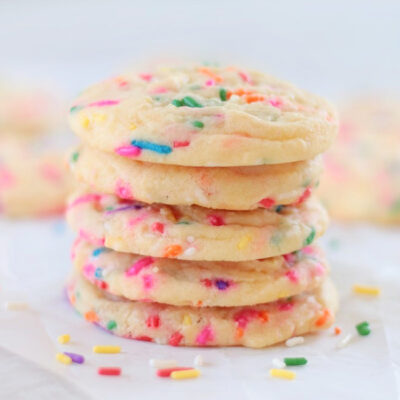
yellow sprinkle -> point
(244, 242)
(187, 320)
(63, 358)
(106, 349)
(63, 339)
(282, 373)
(369, 290)
(132, 126)
(84, 120)
(186, 374)
(98, 118)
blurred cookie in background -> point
(362, 170)
(29, 110)
(32, 183)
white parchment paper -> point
(34, 261)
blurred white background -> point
(333, 48)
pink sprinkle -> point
(146, 77)
(134, 221)
(243, 317)
(88, 271)
(176, 144)
(205, 336)
(215, 220)
(290, 258)
(278, 103)
(50, 172)
(292, 275)
(210, 82)
(6, 178)
(74, 246)
(92, 239)
(319, 269)
(104, 103)
(267, 202)
(286, 306)
(123, 190)
(308, 250)
(245, 77)
(305, 195)
(159, 90)
(87, 198)
(138, 266)
(128, 151)
(157, 227)
(148, 281)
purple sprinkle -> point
(221, 284)
(76, 358)
(130, 207)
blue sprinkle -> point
(98, 251)
(98, 273)
(221, 284)
(158, 148)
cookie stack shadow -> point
(188, 245)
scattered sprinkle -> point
(191, 102)
(294, 341)
(278, 363)
(223, 94)
(110, 371)
(198, 124)
(75, 156)
(111, 325)
(310, 238)
(128, 151)
(282, 373)
(106, 349)
(16, 306)
(177, 103)
(63, 358)
(295, 361)
(63, 339)
(244, 242)
(337, 330)
(345, 341)
(185, 374)
(363, 328)
(368, 290)
(173, 250)
(75, 358)
(161, 364)
(166, 372)
(157, 148)
(198, 360)
(321, 321)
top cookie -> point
(204, 116)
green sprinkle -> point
(222, 94)
(295, 361)
(191, 102)
(363, 328)
(310, 238)
(75, 109)
(109, 208)
(177, 103)
(111, 325)
(75, 156)
(279, 208)
(198, 124)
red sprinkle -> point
(306, 194)
(267, 202)
(144, 338)
(157, 227)
(215, 220)
(166, 372)
(175, 339)
(109, 371)
(153, 321)
(176, 144)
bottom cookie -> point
(251, 326)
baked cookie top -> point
(199, 115)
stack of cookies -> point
(195, 219)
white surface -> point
(34, 260)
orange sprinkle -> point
(199, 303)
(338, 331)
(252, 98)
(91, 316)
(263, 315)
(212, 75)
(239, 332)
(72, 299)
(323, 318)
(173, 250)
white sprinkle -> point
(189, 251)
(16, 306)
(163, 363)
(198, 361)
(155, 269)
(190, 239)
(278, 363)
(345, 341)
(294, 341)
